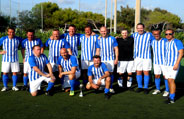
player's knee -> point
(25, 74)
(34, 94)
(108, 79)
(157, 76)
(71, 76)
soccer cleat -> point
(4, 89)
(156, 92)
(107, 96)
(15, 88)
(101, 88)
(120, 83)
(111, 90)
(170, 101)
(146, 91)
(139, 90)
(166, 94)
(71, 93)
(129, 84)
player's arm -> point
(176, 66)
(50, 71)
(69, 51)
(23, 54)
(117, 54)
(60, 69)
(98, 51)
(1, 43)
(42, 50)
(90, 79)
(73, 70)
(2, 52)
(36, 69)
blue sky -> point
(98, 6)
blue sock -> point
(130, 79)
(157, 83)
(166, 85)
(112, 80)
(171, 96)
(14, 78)
(50, 85)
(146, 81)
(5, 80)
(85, 81)
(106, 90)
(139, 81)
(77, 83)
(25, 80)
(72, 84)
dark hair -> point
(124, 30)
(156, 30)
(97, 56)
(72, 25)
(141, 24)
(30, 30)
(169, 29)
(88, 26)
(36, 46)
(56, 30)
(12, 28)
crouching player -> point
(98, 75)
(37, 64)
(68, 70)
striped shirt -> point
(11, 48)
(88, 47)
(172, 48)
(69, 63)
(73, 41)
(39, 62)
(106, 46)
(159, 51)
(28, 45)
(142, 44)
(97, 72)
(54, 48)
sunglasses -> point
(168, 34)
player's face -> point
(140, 29)
(55, 35)
(103, 32)
(71, 31)
(11, 33)
(88, 31)
(37, 51)
(169, 34)
(124, 34)
(96, 62)
(156, 34)
(64, 53)
(30, 35)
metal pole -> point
(105, 13)
(137, 13)
(115, 16)
(111, 16)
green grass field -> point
(125, 104)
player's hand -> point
(47, 75)
(53, 77)
(60, 75)
(99, 37)
(93, 33)
(176, 66)
(117, 37)
(3, 52)
(99, 82)
(51, 37)
(115, 61)
(94, 86)
(23, 60)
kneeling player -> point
(98, 75)
(69, 69)
(37, 63)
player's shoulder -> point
(90, 67)
(72, 57)
(103, 64)
(112, 37)
(43, 55)
(177, 41)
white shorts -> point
(85, 64)
(66, 82)
(170, 73)
(6, 66)
(96, 80)
(26, 67)
(54, 67)
(142, 64)
(124, 66)
(110, 65)
(159, 69)
(36, 84)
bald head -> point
(64, 53)
(103, 31)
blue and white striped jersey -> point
(172, 48)
(142, 44)
(73, 41)
(11, 48)
(88, 47)
(28, 45)
(54, 48)
(98, 72)
(39, 62)
(159, 51)
(69, 63)
(106, 46)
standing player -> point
(159, 52)
(126, 63)
(10, 58)
(55, 46)
(27, 45)
(107, 48)
(98, 75)
(88, 50)
(37, 74)
(69, 69)
(174, 53)
(142, 56)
